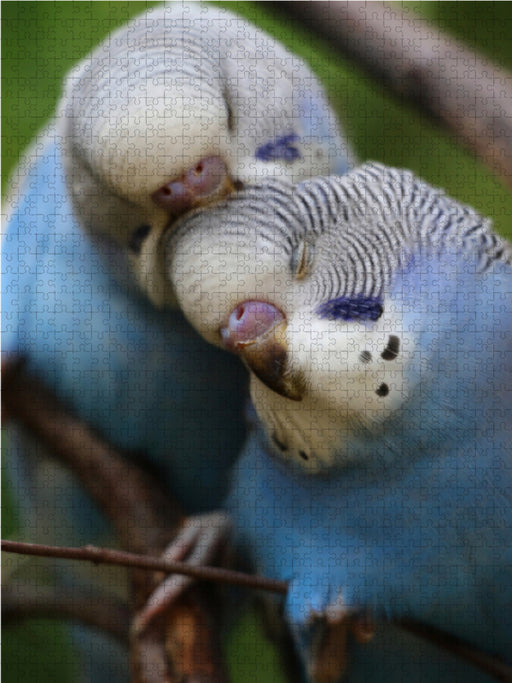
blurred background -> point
(41, 41)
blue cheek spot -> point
(351, 308)
(280, 148)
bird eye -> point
(365, 356)
(137, 238)
(231, 118)
(302, 259)
(282, 446)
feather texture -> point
(387, 487)
(183, 105)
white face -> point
(352, 372)
(355, 377)
(323, 289)
(142, 114)
(214, 270)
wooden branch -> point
(145, 518)
(491, 665)
(131, 498)
(494, 667)
(468, 93)
(187, 630)
(105, 613)
(123, 559)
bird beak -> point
(256, 331)
(208, 181)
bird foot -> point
(200, 542)
(329, 658)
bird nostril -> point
(199, 169)
(240, 312)
(175, 197)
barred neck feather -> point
(325, 238)
(376, 218)
(350, 233)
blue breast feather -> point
(422, 525)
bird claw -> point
(199, 543)
(328, 659)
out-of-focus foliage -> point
(40, 43)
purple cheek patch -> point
(280, 148)
(351, 308)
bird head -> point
(176, 110)
(316, 287)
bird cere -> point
(193, 208)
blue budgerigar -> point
(375, 316)
(181, 107)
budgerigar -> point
(375, 315)
(182, 106)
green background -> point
(42, 40)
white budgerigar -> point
(182, 106)
(375, 316)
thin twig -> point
(491, 665)
(468, 93)
(120, 558)
(25, 393)
(130, 497)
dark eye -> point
(231, 118)
(137, 238)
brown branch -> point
(131, 498)
(468, 93)
(23, 601)
(39, 412)
(145, 518)
(491, 665)
(123, 559)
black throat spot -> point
(392, 349)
